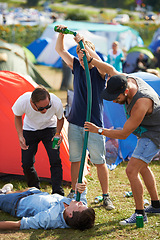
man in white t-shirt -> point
(43, 120)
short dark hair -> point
(82, 220)
(40, 93)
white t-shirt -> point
(35, 120)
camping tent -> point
(44, 48)
(155, 41)
(114, 117)
(133, 55)
(12, 86)
(15, 58)
(102, 35)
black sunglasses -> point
(40, 109)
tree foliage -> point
(77, 15)
(117, 4)
(154, 3)
(32, 2)
(106, 3)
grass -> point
(107, 222)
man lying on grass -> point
(43, 210)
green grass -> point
(107, 222)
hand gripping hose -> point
(89, 105)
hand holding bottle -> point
(63, 29)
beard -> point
(123, 101)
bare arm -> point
(137, 114)
(10, 225)
(18, 125)
(103, 67)
(65, 55)
(60, 123)
(92, 54)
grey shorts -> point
(96, 145)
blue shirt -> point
(47, 212)
(115, 60)
(78, 111)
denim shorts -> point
(145, 150)
(96, 145)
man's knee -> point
(56, 163)
(27, 167)
(102, 165)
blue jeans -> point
(33, 138)
(8, 202)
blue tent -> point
(155, 41)
(37, 46)
(102, 35)
(126, 36)
(114, 117)
(154, 45)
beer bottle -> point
(64, 30)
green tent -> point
(30, 55)
(15, 58)
(132, 56)
(143, 50)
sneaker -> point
(132, 220)
(71, 194)
(152, 210)
(6, 188)
(107, 203)
(60, 191)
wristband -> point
(90, 60)
(57, 134)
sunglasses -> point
(40, 109)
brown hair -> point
(82, 220)
(40, 93)
(86, 43)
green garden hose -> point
(89, 105)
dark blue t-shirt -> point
(78, 111)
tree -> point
(32, 2)
(154, 3)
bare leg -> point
(74, 173)
(102, 172)
(133, 168)
(150, 182)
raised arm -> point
(10, 225)
(92, 53)
(64, 54)
(103, 67)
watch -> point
(100, 131)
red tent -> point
(12, 85)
